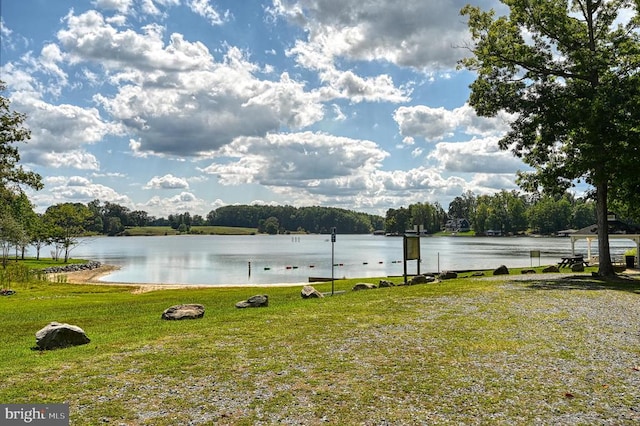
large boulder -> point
(448, 275)
(309, 292)
(56, 335)
(551, 269)
(258, 301)
(577, 267)
(180, 312)
(501, 270)
(386, 283)
(363, 286)
(422, 279)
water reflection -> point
(289, 259)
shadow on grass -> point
(586, 282)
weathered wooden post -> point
(333, 240)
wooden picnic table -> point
(569, 261)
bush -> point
(18, 273)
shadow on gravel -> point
(581, 282)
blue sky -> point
(188, 105)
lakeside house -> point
(457, 225)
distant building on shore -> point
(457, 225)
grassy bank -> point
(20, 270)
(465, 351)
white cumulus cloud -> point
(167, 182)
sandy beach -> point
(93, 277)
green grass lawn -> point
(465, 351)
(43, 262)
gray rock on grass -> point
(422, 279)
(448, 275)
(309, 292)
(577, 267)
(186, 311)
(364, 286)
(58, 335)
(501, 270)
(258, 301)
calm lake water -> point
(214, 259)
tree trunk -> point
(605, 267)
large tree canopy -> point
(12, 131)
(569, 72)
(15, 208)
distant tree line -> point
(113, 219)
(508, 212)
(429, 217)
(279, 219)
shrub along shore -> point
(516, 349)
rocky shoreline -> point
(75, 267)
